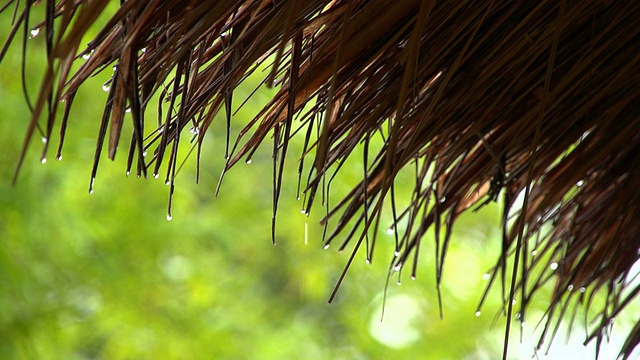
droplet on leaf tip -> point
(34, 32)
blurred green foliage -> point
(105, 276)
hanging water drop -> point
(396, 253)
(59, 157)
(478, 313)
(391, 230)
(44, 139)
(553, 266)
(570, 287)
(399, 282)
(91, 185)
(397, 267)
(303, 211)
(534, 252)
(169, 217)
(106, 86)
(34, 32)
(44, 160)
(367, 261)
(156, 175)
(86, 56)
(249, 162)
(486, 276)
(160, 129)
(582, 289)
(580, 183)
(326, 246)
(143, 50)
(128, 172)
(144, 153)
(128, 109)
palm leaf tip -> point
(533, 101)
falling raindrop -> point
(34, 32)
(478, 313)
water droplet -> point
(303, 211)
(391, 230)
(44, 140)
(160, 129)
(168, 182)
(59, 157)
(249, 162)
(443, 199)
(570, 287)
(478, 313)
(156, 175)
(582, 289)
(93, 180)
(143, 50)
(534, 252)
(513, 302)
(486, 276)
(195, 130)
(580, 183)
(326, 246)
(86, 56)
(44, 160)
(144, 153)
(34, 32)
(115, 68)
(553, 266)
(397, 267)
(367, 261)
(169, 217)
(106, 86)
(399, 283)
(127, 110)
(413, 277)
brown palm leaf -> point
(534, 101)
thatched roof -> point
(486, 99)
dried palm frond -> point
(532, 100)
